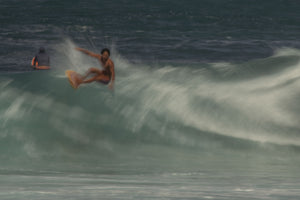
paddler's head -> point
(105, 54)
(42, 50)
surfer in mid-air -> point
(106, 75)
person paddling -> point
(41, 60)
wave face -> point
(165, 112)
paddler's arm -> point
(88, 52)
(33, 62)
(112, 81)
(42, 67)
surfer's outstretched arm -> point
(88, 52)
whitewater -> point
(161, 125)
(205, 104)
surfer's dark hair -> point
(105, 49)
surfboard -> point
(74, 78)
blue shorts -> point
(104, 82)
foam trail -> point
(255, 109)
(67, 57)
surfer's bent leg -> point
(98, 76)
(102, 78)
(90, 80)
(92, 71)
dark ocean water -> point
(205, 106)
(147, 31)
